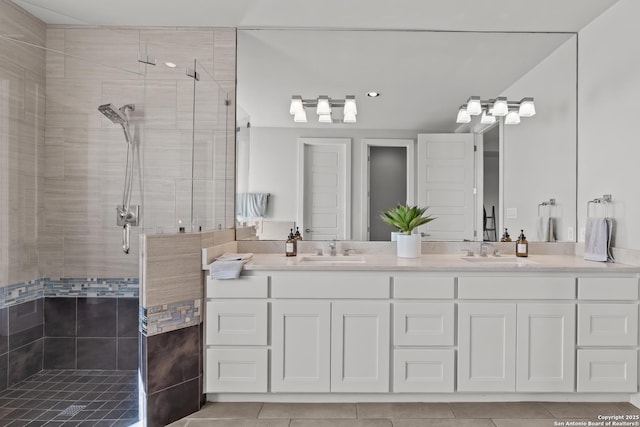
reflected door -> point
(324, 196)
(446, 177)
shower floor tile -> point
(72, 398)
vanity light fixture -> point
(490, 109)
(324, 106)
(512, 118)
(527, 108)
(463, 115)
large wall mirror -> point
(423, 78)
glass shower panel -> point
(167, 143)
(212, 161)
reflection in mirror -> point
(423, 78)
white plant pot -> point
(409, 246)
(394, 235)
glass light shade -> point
(323, 105)
(324, 118)
(463, 115)
(500, 107)
(349, 118)
(513, 118)
(350, 105)
(473, 106)
(296, 105)
(527, 108)
(300, 117)
(487, 119)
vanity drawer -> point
(236, 370)
(244, 287)
(515, 287)
(236, 323)
(423, 287)
(607, 324)
(331, 286)
(608, 371)
(420, 371)
(608, 288)
(423, 324)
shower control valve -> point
(130, 216)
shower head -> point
(115, 115)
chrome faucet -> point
(484, 248)
(332, 248)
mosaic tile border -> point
(112, 287)
(169, 317)
(21, 292)
(116, 287)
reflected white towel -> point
(229, 256)
(597, 242)
(251, 205)
(546, 229)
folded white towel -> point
(597, 243)
(226, 269)
(229, 256)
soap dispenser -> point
(291, 245)
(522, 246)
(505, 237)
(297, 236)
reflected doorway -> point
(491, 184)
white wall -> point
(609, 91)
(273, 167)
(540, 151)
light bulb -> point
(487, 119)
(473, 106)
(296, 105)
(300, 117)
(324, 118)
(527, 108)
(350, 105)
(323, 105)
(463, 115)
(500, 107)
(349, 118)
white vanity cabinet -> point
(607, 334)
(516, 345)
(236, 331)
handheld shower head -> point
(114, 114)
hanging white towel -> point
(251, 205)
(597, 243)
(546, 229)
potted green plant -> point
(406, 219)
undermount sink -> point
(499, 260)
(338, 259)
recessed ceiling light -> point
(170, 64)
(373, 94)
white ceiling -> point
(423, 76)
(492, 15)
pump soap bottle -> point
(291, 245)
(522, 246)
(505, 237)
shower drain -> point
(72, 410)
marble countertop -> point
(434, 263)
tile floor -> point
(72, 398)
(502, 414)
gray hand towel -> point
(597, 241)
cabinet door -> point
(300, 342)
(486, 347)
(360, 347)
(545, 347)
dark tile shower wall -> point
(21, 341)
(171, 367)
(90, 333)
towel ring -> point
(549, 203)
(605, 199)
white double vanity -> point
(439, 327)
